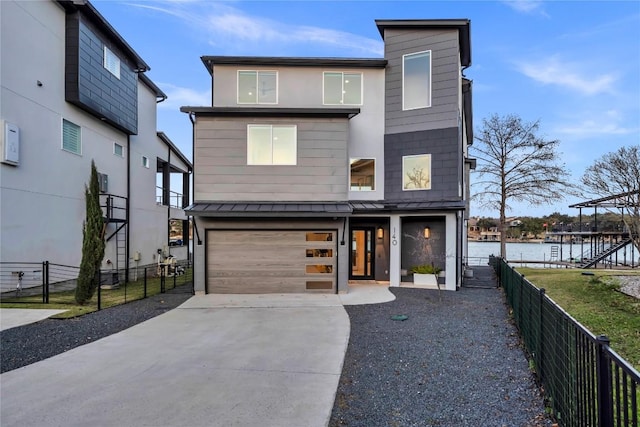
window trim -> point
(79, 152)
(271, 127)
(111, 62)
(430, 95)
(257, 101)
(115, 153)
(324, 73)
(430, 170)
(373, 187)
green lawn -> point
(595, 301)
(109, 298)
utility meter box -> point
(10, 143)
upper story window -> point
(342, 88)
(271, 144)
(118, 149)
(257, 87)
(71, 137)
(145, 162)
(416, 172)
(363, 173)
(111, 62)
(416, 80)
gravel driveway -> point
(456, 361)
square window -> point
(145, 162)
(257, 87)
(71, 137)
(342, 88)
(416, 172)
(118, 149)
(363, 172)
(416, 80)
(111, 62)
(271, 144)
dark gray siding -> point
(90, 86)
(446, 163)
(445, 79)
(223, 174)
(416, 250)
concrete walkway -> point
(217, 360)
(12, 317)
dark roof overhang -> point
(462, 25)
(175, 150)
(160, 95)
(270, 209)
(91, 13)
(271, 112)
(210, 61)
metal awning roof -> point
(613, 201)
(312, 209)
(276, 209)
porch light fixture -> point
(427, 232)
(380, 232)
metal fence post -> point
(145, 282)
(603, 369)
(162, 279)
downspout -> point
(192, 194)
(128, 216)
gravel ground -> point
(456, 361)
(31, 343)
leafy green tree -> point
(532, 226)
(515, 164)
(92, 242)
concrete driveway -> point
(235, 360)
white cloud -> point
(180, 96)
(227, 26)
(594, 124)
(527, 6)
(554, 71)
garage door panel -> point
(270, 261)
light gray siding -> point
(445, 79)
(222, 173)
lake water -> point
(479, 252)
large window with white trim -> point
(416, 172)
(271, 144)
(342, 88)
(416, 80)
(257, 87)
(71, 137)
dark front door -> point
(362, 253)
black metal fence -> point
(586, 383)
(50, 283)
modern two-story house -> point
(73, 91)
(313, 173)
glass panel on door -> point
(361, 254)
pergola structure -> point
(617, 240)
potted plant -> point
(426, 274)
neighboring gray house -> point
(73, 91)
(311, 173)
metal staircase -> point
(115, 210)
(592, 261)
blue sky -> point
(574, 65)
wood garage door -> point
(270, 261)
